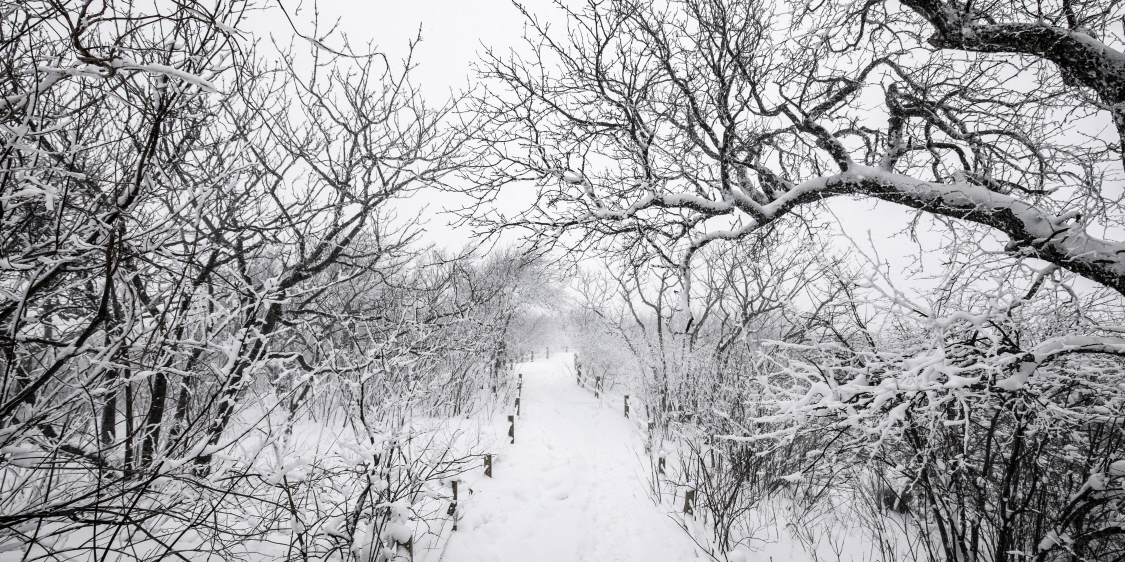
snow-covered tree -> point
(704, 120)
(196, 247)
(657, 130)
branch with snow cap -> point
(1032, 231)
(1055, 348)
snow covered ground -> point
(570, 489)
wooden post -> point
(626, 405)
(512, 428)
(488, 465)
(660, 465)
(689, 499)
(452, 512)
(517, 405)
(597, 387)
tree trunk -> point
(129, 464)
(154, 418)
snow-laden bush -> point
(975, 420)
(992, 411)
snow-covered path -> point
(571, 488)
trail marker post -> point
(660, 465)
(452, 512)
(597, 387)
(409, 546)
(488, 465)
(517, 405)
(626, 405)
(512, 428)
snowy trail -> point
(570, 489)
